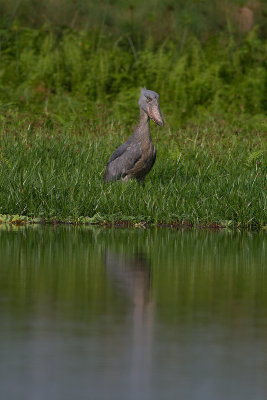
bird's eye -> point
(148, 99)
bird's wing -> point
(122, 160)
(118, 152)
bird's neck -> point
(142, 130)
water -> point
(132, 314)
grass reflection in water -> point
(154, 313)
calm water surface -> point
(132, 314)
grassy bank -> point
(209, 174)
(68, 99)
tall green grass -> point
(203, 175)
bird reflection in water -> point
(132, 275)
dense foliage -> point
(71, 74)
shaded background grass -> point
(156, 18)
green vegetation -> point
(74, 75)
(137, 18)
(69, 98)
(203, 175)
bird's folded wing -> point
(119, 151)
(123, 160)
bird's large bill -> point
(155, 114)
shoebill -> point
(136, 157)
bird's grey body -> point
(136, 157)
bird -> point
(135, 158)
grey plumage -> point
(136, 157)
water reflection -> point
(132, 314)
(132, 276)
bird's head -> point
(149, 103)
